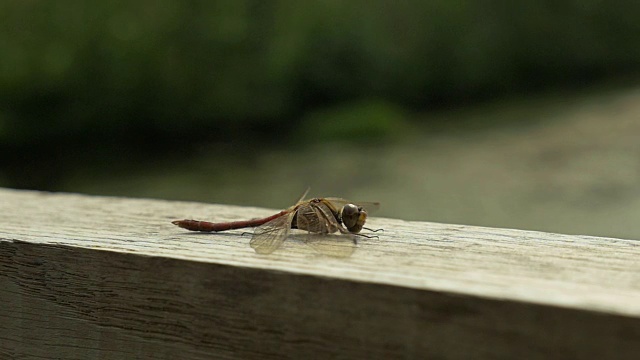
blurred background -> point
(506, 114)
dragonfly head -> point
(353, 217)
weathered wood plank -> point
(94, 277)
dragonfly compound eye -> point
(353, 217)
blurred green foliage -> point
(162, 69)
(367, 121)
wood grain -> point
(111, 278)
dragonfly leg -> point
(368, 236)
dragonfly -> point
(318, 216)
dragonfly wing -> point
(340, 246)
(367, 205)
(270, 235)
(304, 195)
(317, 218)
(320, 221)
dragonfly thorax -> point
(353, 217)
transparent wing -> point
(304, 195)
(269, 236)
(367, 205)
(340, 246)
(317, 218)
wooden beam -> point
(111, 278)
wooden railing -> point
(85, 277)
